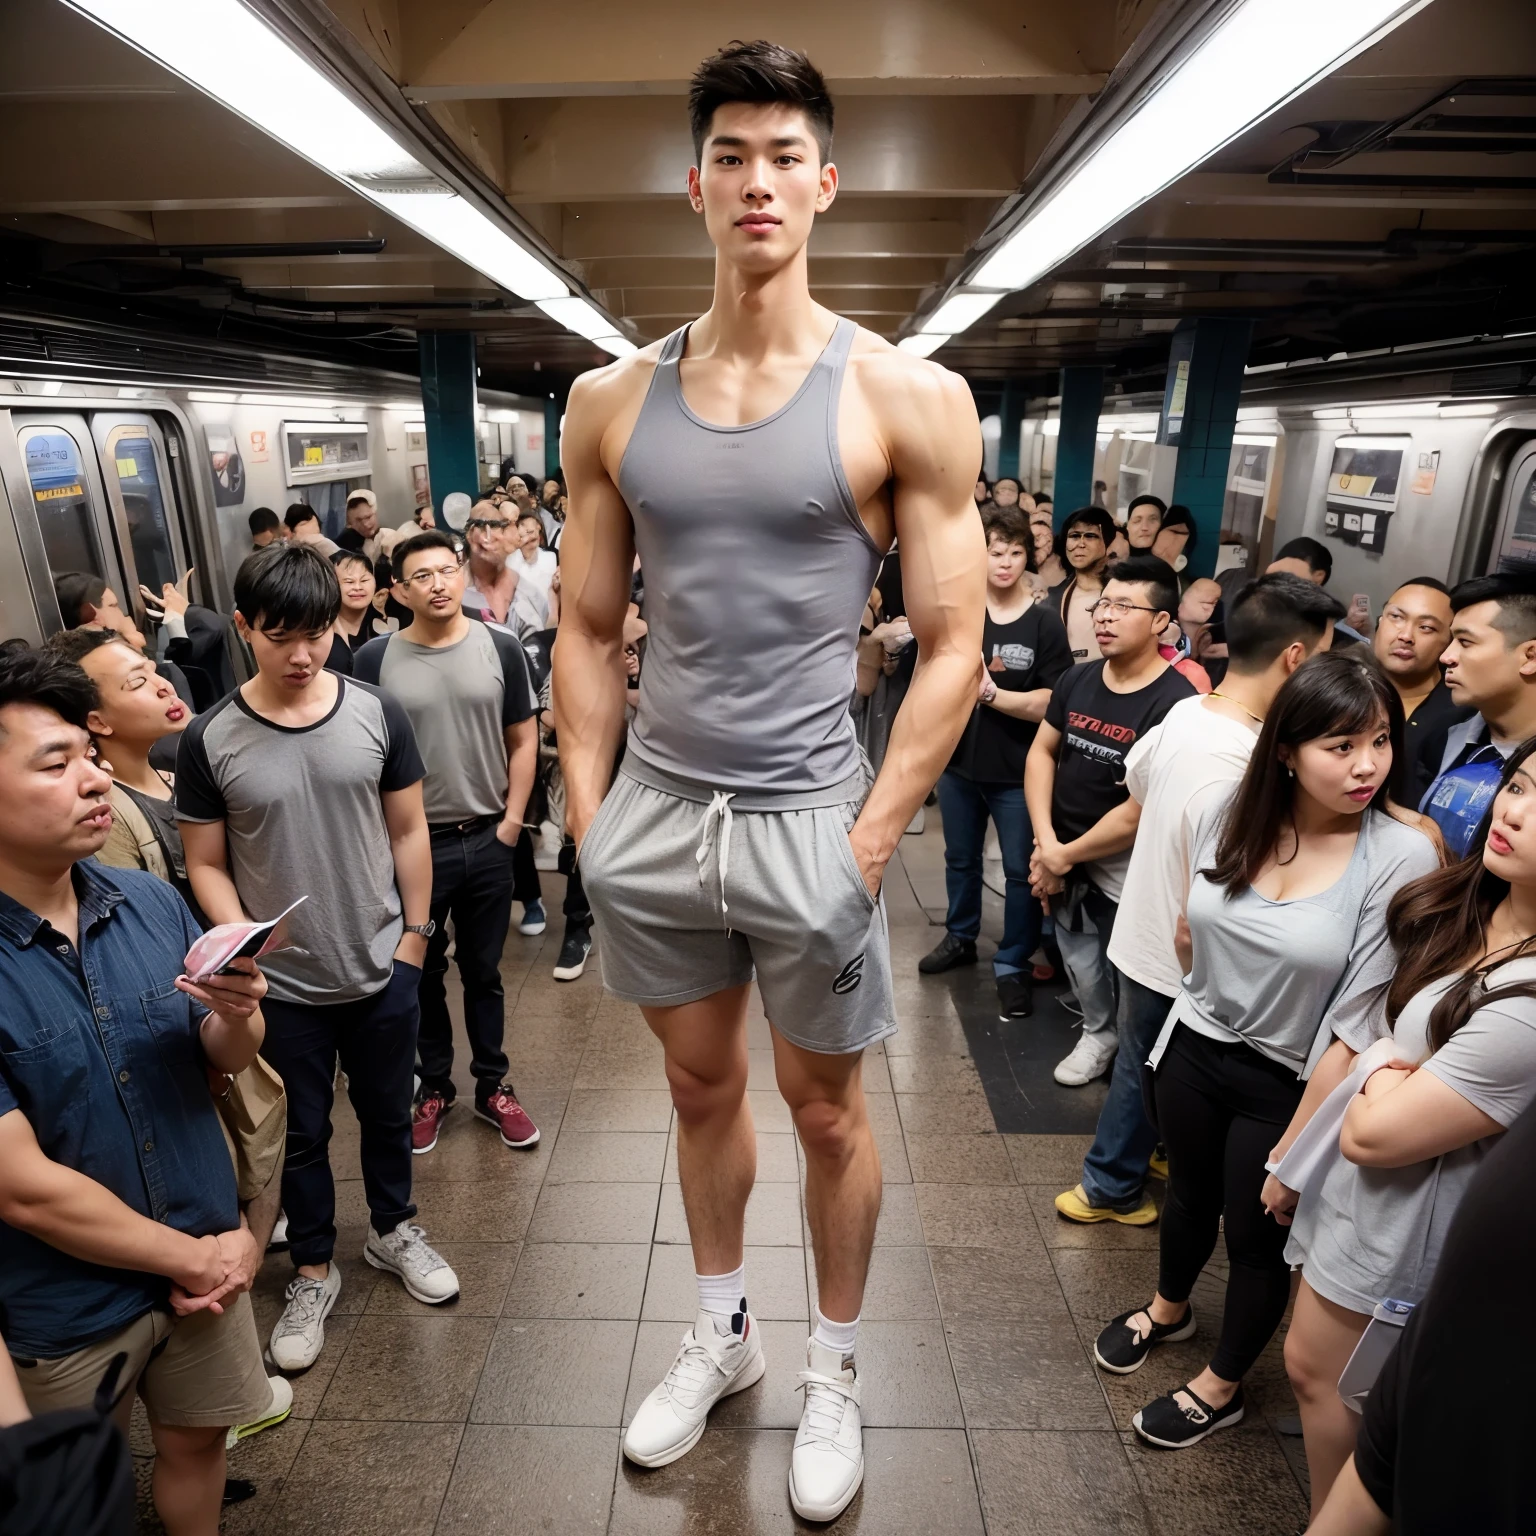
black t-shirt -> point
(1098, 727)
(1030, 652)
(1444, 1443)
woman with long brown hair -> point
(1463, 1010)
(1287, 973)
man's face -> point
(286, 659)
(491, 533)
(1123, 624)
(760, 184)
(137, 704)
(363, 519)
(1006, 493)
(1482, 668)
(53, 796)
(1006, 562)
(1294, 567)
(1412, 632)
(265, 537)
(432, 584)
(529, 532)
(1142, 525)
(1085, 547)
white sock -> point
(838, 1336)
(721, 1295)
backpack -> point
(68, 1471)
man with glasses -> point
(1084, 549)
(471, 702)
(492, 584)
(1074, 786)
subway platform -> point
(500, 1414)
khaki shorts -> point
(199, 1372)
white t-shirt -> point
(1171, 772)
(533, 581)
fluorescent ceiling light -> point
(1252, 440)
(618, 345)
(1051, 427)
(959, 312)
(1264, 53)
(921, 345)
(227, 52)
(577, 315)
(1469, 408)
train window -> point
(62, 499)
(1520, 540)
(130, 457)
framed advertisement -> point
(1364, 481)
(316, 452)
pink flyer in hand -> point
(213, 953)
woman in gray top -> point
(1286, 980)
(1464, 1006)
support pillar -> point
(448, 403)
(1011, 415)
(554, 409)
(1082, 398)
(1207, 394)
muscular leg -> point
(706, 1051)
(825, 1095)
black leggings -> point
(1221, 1108)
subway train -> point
(1421, 465)
(138, 484)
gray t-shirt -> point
(460, 698)
(1372, 1233)
(302, 816)
(1289, 976)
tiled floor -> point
(500, 1415)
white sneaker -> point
(1090, 1057)
(277, 1410)
(423, 1270)
(827, 1463)
(710, 1365)
(299, 1335)
(279, 1239)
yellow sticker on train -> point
(314, 455)
(127, 469)
(58, 492)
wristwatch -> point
(426, 930)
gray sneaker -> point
(423, 1271)
(299, 1335)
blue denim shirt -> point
(101, 1053)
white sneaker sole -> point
(506, 1141)
(571, 972)
(532, 930)
(1184, 1445)
(823, 1512)
(1075, 1079)
(391, 1269)
(291, 1370)
(748, 1378)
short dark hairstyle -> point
(1275, 611)
(759, 73)
(1432, 582)
(1044, 499)
(1181, 517)
(77, 591)
(1153, 574)
(263, 520)
(353, 557)
(1010, 524)
(289, 588)
(419, 543)
(1012, 480)
(1316, 555)
(1147, 499)
(1515, 593)
(300, 512)
(1094, 517)
(74, 645)
(528, 515)
(36, 677)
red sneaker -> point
(509, 1117)
(426, 1118)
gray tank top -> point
(757, 568)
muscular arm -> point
(597, 555)
(929, 422)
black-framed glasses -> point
(1117, 608)
(1084, 535)
(487, 522)
(423, 580)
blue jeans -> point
(1083, 939)
(1116, 1166)
(965, 806)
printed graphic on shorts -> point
(1011, 658)
(850, 976)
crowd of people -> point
(1281, 861)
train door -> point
(137, 476)
(1516, 536)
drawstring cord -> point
(720, 807)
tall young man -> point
(466, 688)
(1074, 784)
(1085, 541)
(306, 783)
(1200, 750)
(119, 1227)
(761, 460)
(1024, 651)
(1412, 633)
(1490, 666)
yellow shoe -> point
(1073, 1204)
(1157, 1166)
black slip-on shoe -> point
(1176, 1425)
(1122, 1349)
